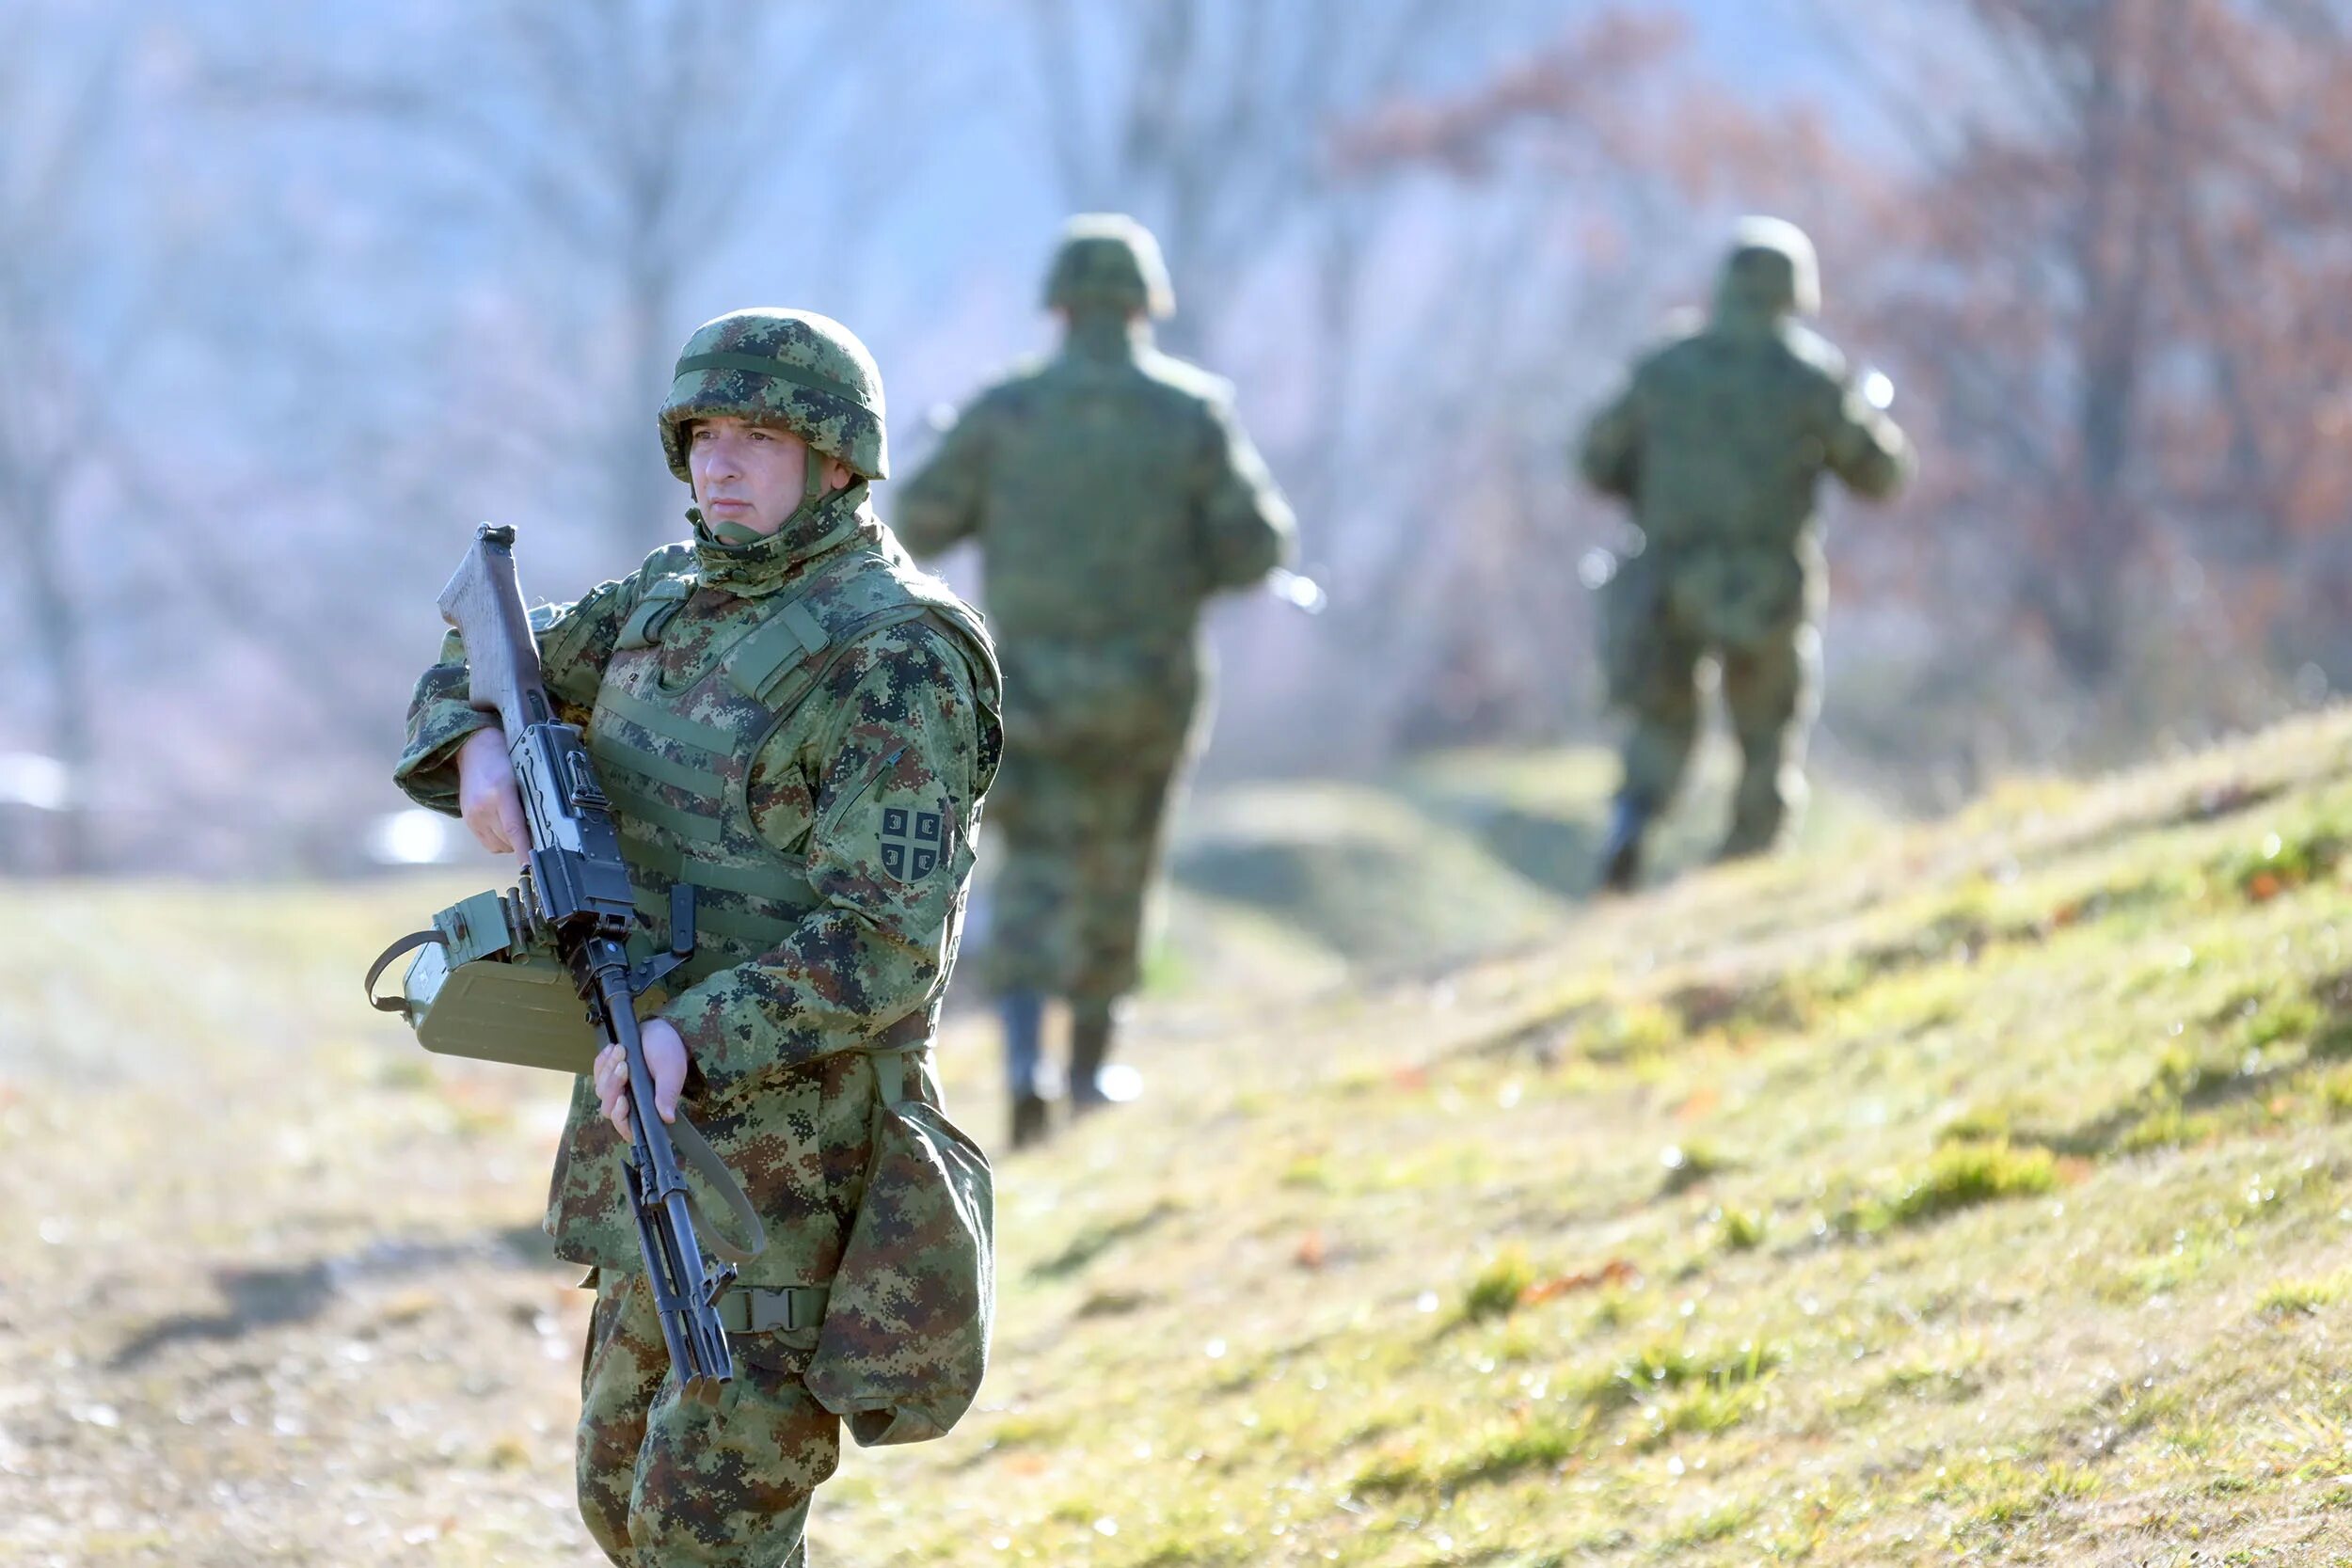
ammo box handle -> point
(408, 944)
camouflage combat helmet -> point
(1770, 270)
(1108, 260)
(805, 372)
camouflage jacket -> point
(1111, 491)
(1719, 437)
(803, 728)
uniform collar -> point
(1740, 316)
(1106, 337)
(767, 564)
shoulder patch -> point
(669, 560)
(912, 840)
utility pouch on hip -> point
(479, 987)
(905, 1338)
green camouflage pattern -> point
(904, 1345)
(666, 1483)
(805, 373)
(1083, 828)
(1108, 261)
(1719, 440)
(828, 938)
(1111, 492)
(1769, 670)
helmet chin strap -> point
(813, 491)
(728, 531)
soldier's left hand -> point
(665, 1058)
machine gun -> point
(574, 899)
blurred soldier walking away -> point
(1718, 442)
(1111, 492)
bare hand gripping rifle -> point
(484, 973)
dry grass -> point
(2007, 1222)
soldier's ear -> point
(837, 474)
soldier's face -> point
(745, 473)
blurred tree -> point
(611, 150)
(73, 318)
(2107, 257)
(2119, 285)
(1210, 119)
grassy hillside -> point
(1292, 886)
(1970, 1193)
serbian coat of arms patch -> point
(913, 841)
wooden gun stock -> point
(485, 604)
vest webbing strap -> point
(756, 932)
(654, 767)
(893, 1072)
(783, 882)
(646, 620)
(789, 686)
(759, 933)
(656, 719)
(791, 635)
(640, 803)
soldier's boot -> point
(1621, 852)
(1091, 1028)
(1767, 688)
(1748, 839)
(1023, 1013)
(1758, 809)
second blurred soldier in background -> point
(1718, 442)
(1111, 493)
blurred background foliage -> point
(291, 295)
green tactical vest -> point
(675, 754)
(674, 750)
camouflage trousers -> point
(1756, 612)
(666, 1484)
(1081, 834)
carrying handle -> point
(408, 944)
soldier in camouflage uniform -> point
(1717, 441)
(792, 716)
(1112, 492)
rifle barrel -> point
(682, 1290)
(578, 890)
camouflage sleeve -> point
(575, 642)
(1866, 448)
(1609, 457)
(1246, 529)
(941, 503)
(895, 777)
